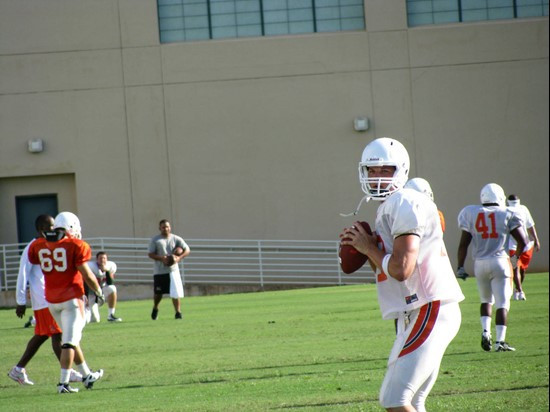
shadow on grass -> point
(375, 400)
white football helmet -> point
(383, 151)
(492, 193)
(68, 221)
(420, 185)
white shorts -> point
(494, 282)
(176, 285)
(108, 290)
(417, 352)
(70, 317)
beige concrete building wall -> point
(12, 187)
(253, 138)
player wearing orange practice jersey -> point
(45, 326)
(62, 255)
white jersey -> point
(528, 222)
(101, 275)
(490, 227)
(411, 212)
(31, 274)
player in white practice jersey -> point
(414, 277)
(104, 271)
(534, 245)
(423, 186)
(488, 227)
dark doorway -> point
(28, 208)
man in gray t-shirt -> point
(166, 250)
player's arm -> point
(154, 256)
(519, 235)
(533, 235)
(109, 277)
(372, 266)
(153, 252)
(186, 252)
(21, 292)
(465, 239)
(90, 279)
(110, 273)
(402, 261)
(162, 258)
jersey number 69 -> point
(50, 261)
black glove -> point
(461, 273)
(20, 310)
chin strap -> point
(363, 199)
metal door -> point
(28, 208)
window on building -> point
(189, 20)
(423, 12)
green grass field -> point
(321, 349)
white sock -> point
(83, 369)
(64, 376)
(486, 323)
(501, 333)
(111, 311)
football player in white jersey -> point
(104, 270)
(414, 277)
(423, 186)
(488, 227)
(524, 259)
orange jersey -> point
(442, 220)
(59, 261)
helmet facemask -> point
(379, 188)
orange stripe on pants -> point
(422, 328)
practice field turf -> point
(321, 349)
